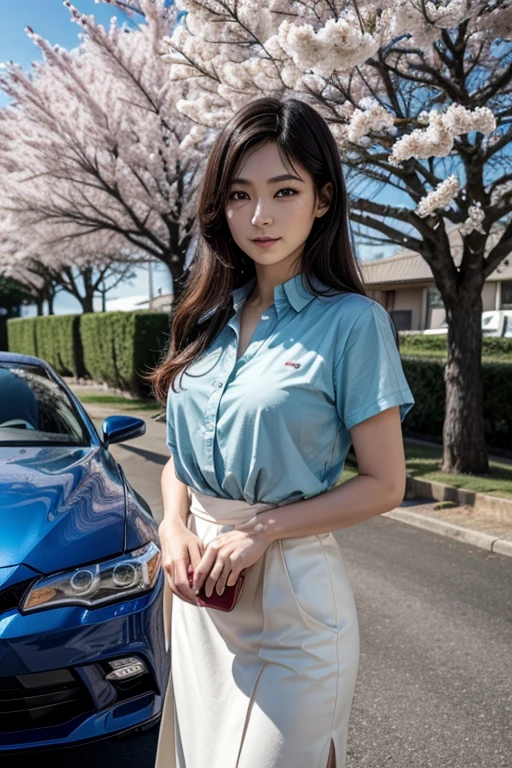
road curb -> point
(476, 538)
(496, 508)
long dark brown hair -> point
(302, 137)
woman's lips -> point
(266, 243)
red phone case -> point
(224, 602)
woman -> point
(278, 362)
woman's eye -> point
(289, 192)
(234, 195)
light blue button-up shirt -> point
(274, 425)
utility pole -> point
(150, 282)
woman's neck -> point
(262, 294)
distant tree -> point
(94, 150)
(418, 96)
(47, 265)
(12, 294)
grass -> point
(441, 355)
(423, 462)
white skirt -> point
(270, 683)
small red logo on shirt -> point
(293, 365)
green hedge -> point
(54, 338)
(58, 342)
(426, 380)
(121, 346)
(21, 335)
(420, 343)
(112, 347)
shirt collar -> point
(292, 292)
(296, 292)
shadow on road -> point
(156, 458)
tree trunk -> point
(39, 305)
(87, 303)
(175, 259)
(465, 449)
(178, 285)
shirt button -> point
(219, 384)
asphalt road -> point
(435, 685)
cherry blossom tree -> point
(39, 286)
(43, 281)
(95, 155)
(418, 96)
(47, 258)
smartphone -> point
(224, 602)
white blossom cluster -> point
(424, 21)
(496, 26)
(501, 193)
(440, 197)
(337, 46)
(437, 140)
(373, 117)
(474, 221)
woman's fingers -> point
(222, 580)
(214, 569)
(177, 556)
(204, 566)
(214, 574)
(232, 577)
(181, 582)
(196, 552)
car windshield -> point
(35, 409)
(490, 322)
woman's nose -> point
(260, 215)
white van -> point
(495, 322)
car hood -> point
(59, 506)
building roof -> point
(407, 266)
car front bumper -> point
(53, 667)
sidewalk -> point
(465, 523)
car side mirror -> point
(117, 429)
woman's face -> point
(270, 200)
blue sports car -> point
(82, 651)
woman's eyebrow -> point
(273, 180)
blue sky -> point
(51, 20)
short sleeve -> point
(368, 376)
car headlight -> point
(93, 585)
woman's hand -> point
(180, 547)
(228, 554)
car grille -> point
(42, 700)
